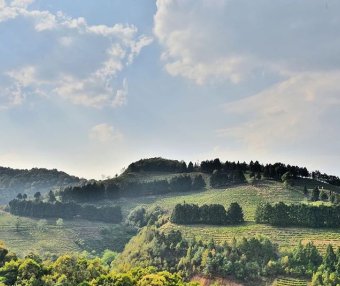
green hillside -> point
(14, 181)
(247, 195)
(161, 243)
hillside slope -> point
(14, 181)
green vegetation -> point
(76, 270)
(289, 282)
(213, 197)
(207, 214)
(252, 259)
(28, 182)
(23, 235)
(304, 215)
(116, 188)
(157, 165)
(70, 210)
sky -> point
(88, 87)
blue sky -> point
(89, 86)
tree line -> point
(214, 214)
(113, 189)
(304, 215)
(272, 171)
(69, 210)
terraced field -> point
(289, 282)
(49, 239)
(284, 237)
(247, 196)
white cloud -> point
(66, 57)
(21, 3)
(294, 115)
(222, 40)
(242, 42)
(105, 133)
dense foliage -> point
(14, 181)
(245, 259)
(271, 171)
(41, 209)
(220, 179)
(207, 214)
(112, 189)
(157, 165)
(154, 257)
(78, 270)
(328, 274)
(140, 217)
(304, 215)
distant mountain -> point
(14, 181)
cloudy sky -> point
(89, 86)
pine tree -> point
(330, 259)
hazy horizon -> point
(89, 87)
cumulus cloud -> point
(64, 56)
(240, 41)
(105, 133)
(231, 39)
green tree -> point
(51, 197)
(235, 214)
(315, 194)
(198, 183)
(37, 196)
(330, 259)
(190, 167)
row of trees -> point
(304, 215)
(273, 171)
(207, 214)
(39, 209)
(113, 189)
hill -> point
(14, 181)
(148, 195)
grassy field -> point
(248, 196)
(46, 238)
